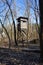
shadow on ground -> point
(12, 57)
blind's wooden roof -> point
(22, 18)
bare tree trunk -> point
(6, 33)
(41, 29)
(36, 17)
(11, 32)
(13, 22)
(28, 13)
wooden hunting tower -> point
(22, 27)
(22, 23)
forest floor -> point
(18, 57)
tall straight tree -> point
(27, 13)
(41, 28)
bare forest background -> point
(9, 12)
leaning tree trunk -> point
(13, 22)
(6, 33)
(41, 28)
